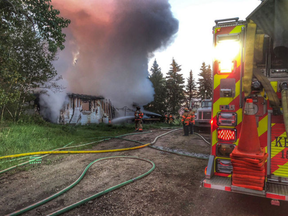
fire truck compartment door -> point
(279, 147)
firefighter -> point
(192, 121)
(138, 119)
(166, 118)
(185, 121)
(171, 119)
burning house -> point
(79, 109)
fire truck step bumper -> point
(217, 182)
(273, 191)
(277, 191)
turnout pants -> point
(186, 129)
(191, 128)
(138, 125)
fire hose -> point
(28, 208)
(64, 147)
(109, 189)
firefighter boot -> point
(186, 130)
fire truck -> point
(250, 87)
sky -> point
(193, 42)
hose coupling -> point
(284, 86)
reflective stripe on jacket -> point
(138, 115)
(185, 118)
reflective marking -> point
(276, 196)
(282, 170)
(217, 79)
(217, 29)
(225, 101)
(274, 85)
(275, 151)
(237, 29)
(239, 116)
(262, 126)
(214, 137)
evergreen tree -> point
(190, 88)
(158, 105)
(205, 82)
(175, 87)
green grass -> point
(31, 137)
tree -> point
(158, 105)
(190, 88)
(175, 87)
(205, 82)
(30, 35)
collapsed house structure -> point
(79, 109)
(86, 109)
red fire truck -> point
(251, 64)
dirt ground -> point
(173, 188)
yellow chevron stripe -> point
(262, 126)
(237, 29)
(214, 137)
(217, 79)
(276, 150)
(225, 101)
(215, 30)
(274, 85)
(239, 116)
(282, 171)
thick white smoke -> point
(108, 44)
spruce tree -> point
(190, 88)
(175, 87)
(158, 105)
(205, 82)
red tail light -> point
(226, 135)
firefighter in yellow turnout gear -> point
(192, 121)
(138, 119)
(186, 121)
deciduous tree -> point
(30, 35)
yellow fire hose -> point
(73, 152)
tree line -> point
(170, 92)
(30, 36)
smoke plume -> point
(108, 44)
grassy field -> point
(31, 137)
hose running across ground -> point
(110, 189)
(64, 147)
(28, 208)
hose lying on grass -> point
(83, 152)
(64, 147)
(109, 189)
(61, 211)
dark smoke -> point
(108, 44)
